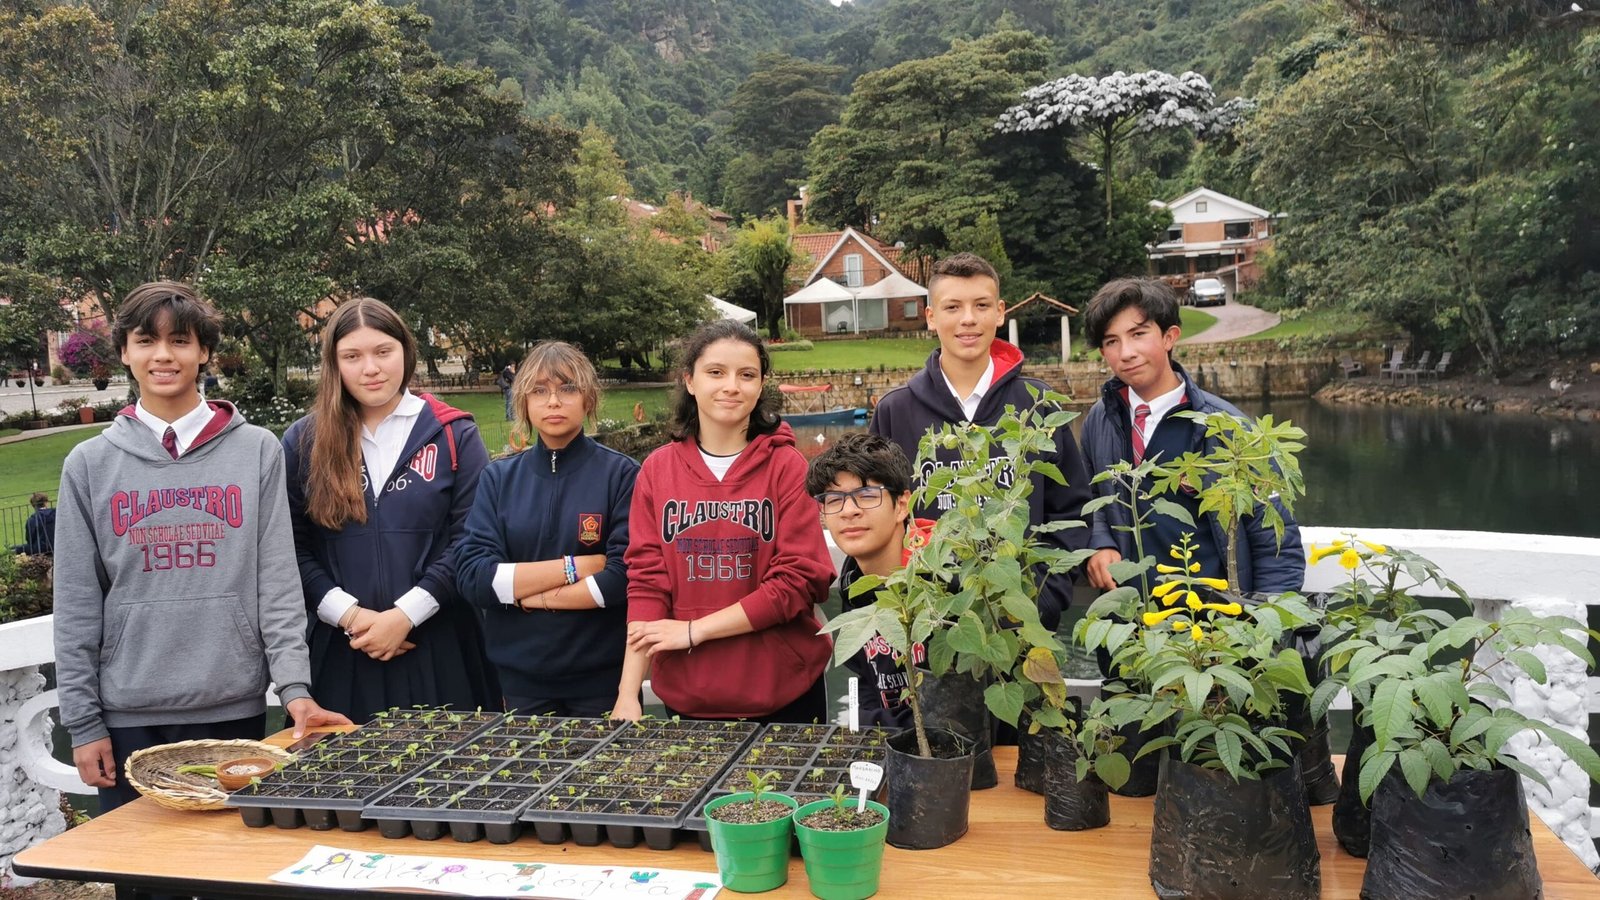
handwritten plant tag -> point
(353, 870)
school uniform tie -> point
(1141, 414)
(169, 442)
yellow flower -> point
(1180, 624)
(1375, 548)
(1164, 592)
(1165, 569)
(1318, 554)
(1350, 558)
(1227, 609)
(1178, 553)
(1152, 619)
(1192, 600)
(1194, 567)
(1220, 584)
(1196, 633)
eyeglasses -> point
(869, 496)
(566, 393)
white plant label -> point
(855, 703)
(865, 777)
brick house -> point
(1212, 236)
(851, 283)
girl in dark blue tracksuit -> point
(388, 626)
(542, 554)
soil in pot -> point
(752, 856)
(1070, 804)
(843, 854)
(1214, 838)
(1467, 837)
(928, 798)
(955, 703)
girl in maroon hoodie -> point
(726, 558)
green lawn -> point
(1194, 321)
(1316, 323)
(867, 353)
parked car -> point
(1206, 292)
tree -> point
(909, 149)
(1451, 194)
(770, 119)
(754, 267)
(1108, 111)
(265, 151)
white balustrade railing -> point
(1548, 574)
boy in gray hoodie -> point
(180, 596)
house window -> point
(1175, 233)
(852, 270)
(911, 309)
(1236, 231)
(1208, 263)
(1200, 206)
(1173, 265)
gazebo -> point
(847, 309)
(1067, 312)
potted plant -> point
(100, 374)
(750, 833)
(842, 846)
(1083, 761)
(19, 377)
(1360, 610)
(1448, 814)
(969, 595)
(1131, 491)
(1231, 818)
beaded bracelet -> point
(570, 565)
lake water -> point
(1405, 467)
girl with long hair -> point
(726, 558)
(542, 555)
(380, 483)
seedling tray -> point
(482, 786)
(810, 761)
(330, 783)
(640, 786)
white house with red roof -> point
(1212, 236)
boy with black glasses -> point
(863, 484)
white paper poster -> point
(332, 867)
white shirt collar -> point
(381, 448)
(969, 404)
(187, 427)
(1159, 406)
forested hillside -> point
(657, 74)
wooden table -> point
(1008, 851)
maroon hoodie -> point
(698, 544)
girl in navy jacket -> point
(542, 556)
(379, 483)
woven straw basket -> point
(153, 771)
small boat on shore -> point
(806, 404)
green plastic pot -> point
(842, 865)
(751, 858)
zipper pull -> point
(552, 462)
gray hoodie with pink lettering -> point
(177, 595)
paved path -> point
(15, 399)
(1234, 320)
(43, 432)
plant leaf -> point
(1390, 710)
(1374, 765)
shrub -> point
(790, 345)
(85, 348)
(26, 586)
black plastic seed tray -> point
(810, 761)
(331, 782)
(640, 786)
(481, 788)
